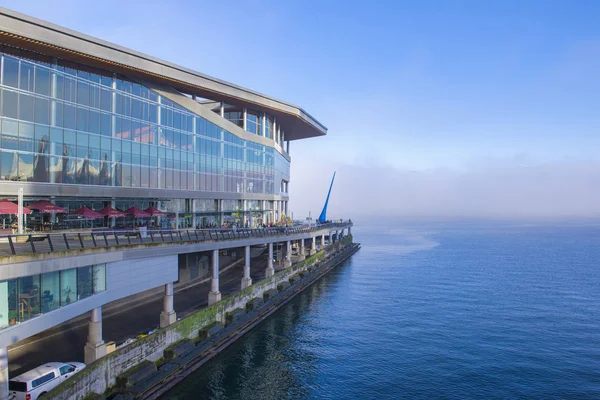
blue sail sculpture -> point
(323, 216)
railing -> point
(18, 244)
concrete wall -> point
(102, 374)
(123, 278)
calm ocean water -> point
(468, 311)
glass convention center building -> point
(89, 123)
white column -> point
(288, 255)
(246, 280)
(95, 347)
(20, 212)
(168, 315)
(113, 221)
(245, 119)
(301, 253)
(274, 127)
(264, 125)
(270, 270)
(4, 373)
(222, 111)
(214, 295)
(313, 246)
(323, 240)
(349, 231)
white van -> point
(37, 382)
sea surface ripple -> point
(452, 312)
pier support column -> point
(214, 295)
(349, 231)
(168, 315)
(4, 373)
(246, 280)
(288, 255)
(270, 270)
(313, 246)
(301, 253)
(323, 240)
(95, 347)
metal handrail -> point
(110, 237)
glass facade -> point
(66, 125)
(30, 296)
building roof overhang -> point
(32, 34)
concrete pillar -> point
(222, 110)
(113, 221)
(95, 347)
(246, 280)
(270, 270)
(313, 246)
(301, 253)
(4, 373)
(245, 119)
(349, 231)
(168, 315)
(287, 150)
(288, 255)
(214, 295)
(323, 240)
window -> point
(42, 81)
(68, 286)
(39, 381)
(9, 104)
(66, 369)
(10, 76)
(50, 291)
(14, 386)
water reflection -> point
(275, 361)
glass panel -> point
(50, 291)
(26, 76)
(26, 136)
(8, 303)
(68, 286)
(42, 81)
(41, 164)
(84, 282)
(69, 116)
(9, 104)
(29, 296)
(25, 167)
(42, 111)
(9, 170)
(26, 107)
(10, 72)
(99, 272)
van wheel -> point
(43, 394)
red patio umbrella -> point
(7, 207)
(45, 207)
(154, 211)
(108, 211)
(87, 213)
(136, 212)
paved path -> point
(66, 342)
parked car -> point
(36, 383)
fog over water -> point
(493, 189)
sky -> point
(433, 108)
